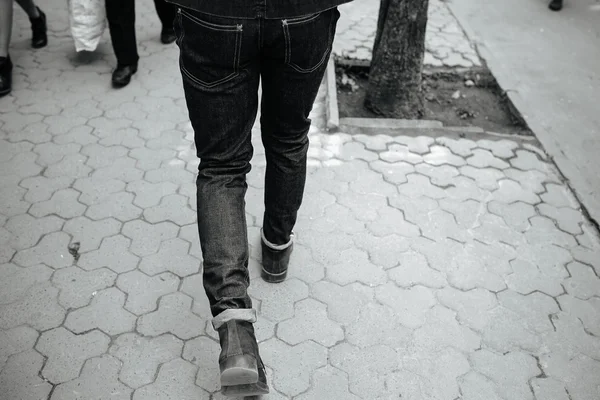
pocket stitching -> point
(289, 50)
(235, 57)
(209, 25)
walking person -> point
(39, 37)
(121, 23)
(226, 48)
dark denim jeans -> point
(222, 61)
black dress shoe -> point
(167, 36)
(39, 30)
(5, 75)
(122, 75)
(556, 5)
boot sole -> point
(273, 278)
(239, 370)
(245, 390)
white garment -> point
(88, 22)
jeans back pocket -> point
(209, 48)
(308, 40)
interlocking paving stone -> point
(175, 381)
(78, 286)
(68, 352)
(141, 357)
(50, 250)
(113, 253)
(172, 257)
(15, 281)
(106, 302)
(19, 378)
(15, 341)
(143, 291)
(277, 301)
(181, 323)
(292, 365)
(310, 323)
(98, 379)
(38, 308)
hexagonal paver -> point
(90, 233)
(15, 341)
(441, 155)
(485, 159)
(510, 372)
(527, 278)
(399, 152)
(583, 282)
(204, 353)
(77, 286)
(292, 366)
(51, 250)
(113, 253)
(96, 190)
(142, 356)
(587, 311)
(38, 307)
(413, 269)
(343, 303)
(149, 194)
(106, 302)
(98, 379)
(367, 368)
(19, 378)
(329, 383)
(395, 173)
(173, 257)
(117, 205)
(411, 305)
(174, 316)
(277, 301)
(175, 381)
(146, 238)
(143, 291)
(310, 323)
(355, 266)
(392, 333)
(40, 188)
(172, 208)
(15, 281)
(68, 352)
(391, 221)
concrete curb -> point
(332, 110)
(333, 113)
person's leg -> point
(293, 66)
(6, 19)
(166, 13)
(6, 16)
(29, 7)
(121, 23)
(39, 37)
(219, 66)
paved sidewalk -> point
(445, 43)
(428, 266)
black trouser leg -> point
(121, 23)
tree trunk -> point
(397, 64)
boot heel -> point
(273, 278)
(239, 370)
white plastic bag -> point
(88, 21)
